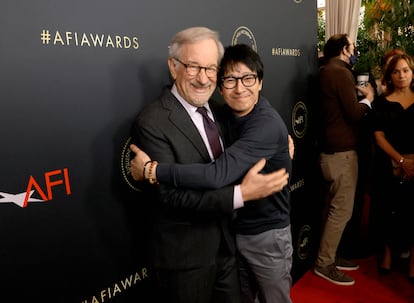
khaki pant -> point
(340, 172)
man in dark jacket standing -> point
(340, 113)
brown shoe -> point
(333, 275)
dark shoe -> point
(333, 275)
(382, 271)
(343, 264)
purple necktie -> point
(212, 132)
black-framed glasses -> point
(231, 82)
(194, 70)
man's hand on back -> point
(257, 186)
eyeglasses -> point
(231, 82)
(194, 70)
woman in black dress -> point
(394, 136)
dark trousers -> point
(215, 283)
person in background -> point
(192, 246)
(340, 114)
(394, 167)
(375, 242)
(256, 131)
(385, 60)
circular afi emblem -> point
(299, 119)
(303, 242)
(243, 35)
(126, 156)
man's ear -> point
(345, 50)
(260, 85)
(171, 66)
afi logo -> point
(59, 177)
(299, 120)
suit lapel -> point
(180, 118)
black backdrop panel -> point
(73, 74)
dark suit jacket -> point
(260, 134)
(189, 226)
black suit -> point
(191, 229)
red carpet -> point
(369, 287)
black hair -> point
(240, 53)
(334, 45)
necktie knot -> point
(211, 132)
(203, 111)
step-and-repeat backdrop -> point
(73, 74)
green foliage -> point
(387, 24)
(321, 31)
